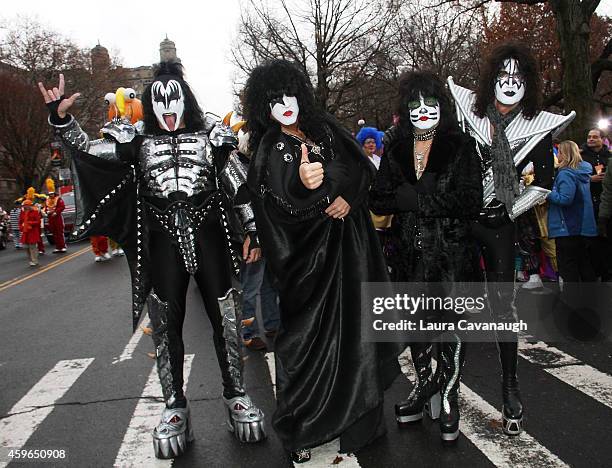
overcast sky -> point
(203, 31)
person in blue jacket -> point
(570, 215)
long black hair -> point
(485, 94)
(271, 80)
(192, 116)
(428, 84)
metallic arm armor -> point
(106, 148)
(232, 177)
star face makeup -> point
(285, 110)
(510, 83)
(424, 113)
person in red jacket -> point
(29, 225)
(54, 205)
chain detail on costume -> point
(181, 220)
(177, 163)
(158, 313)
(138, 297)
(301, 213)
(235, 259)
(106, 199)
(230, 307)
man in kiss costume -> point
(505, 118)
(309, 182)
(167, 192)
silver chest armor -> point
(182, 163)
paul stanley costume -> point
(168, 190)
(329, 382)
(507, 142)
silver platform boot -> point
(174, 431)
(245, 419)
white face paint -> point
(285, 110)
(425, 113)
(168, 104)
(510, 83)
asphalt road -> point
(72, 377)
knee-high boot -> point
(425, 395)
(452, 356)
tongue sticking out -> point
(170, 120)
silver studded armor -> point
(175, 167)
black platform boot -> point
(512, 411)
(452, 356)
(425, 395)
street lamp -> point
(603, 124)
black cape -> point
(329, 383)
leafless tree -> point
(340, 43)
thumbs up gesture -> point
(311, 174)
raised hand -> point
(55, 100)
(311, 174)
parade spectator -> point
(605, 207)
(29, 223)
(570, 216)
(14, 224)
(370, 140)
(597, 155)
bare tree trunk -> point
(573, 18)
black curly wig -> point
(270, 81)
(485, 94)
(413, 83)
(192, 116)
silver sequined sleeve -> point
(232, 177)
(73, 136)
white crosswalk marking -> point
(29, 412)
(137, 446)
(129, 349)
(326, 455)
(475, 424)
(568, 369)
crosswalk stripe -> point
(129, 349)
(475, 424)
(29, 412)
(325, 455)
(568, 369)
(137, 446)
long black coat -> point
(442, 203)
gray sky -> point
(203, 31)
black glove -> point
(254, 244)
(55, 118)
(406, 198)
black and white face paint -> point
(285, 110)
(168, 103)
(510, 83)
(425, 113)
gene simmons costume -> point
(169, 191)
(506, 142)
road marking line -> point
(29, 412)
(324, 455)
(129, 349)
(21, 279)
(568, 369)
(137, 446)
(475, 424)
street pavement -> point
(73, 377)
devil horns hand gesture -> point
(57, 103)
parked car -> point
(69, 215)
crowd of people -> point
(465, 186)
